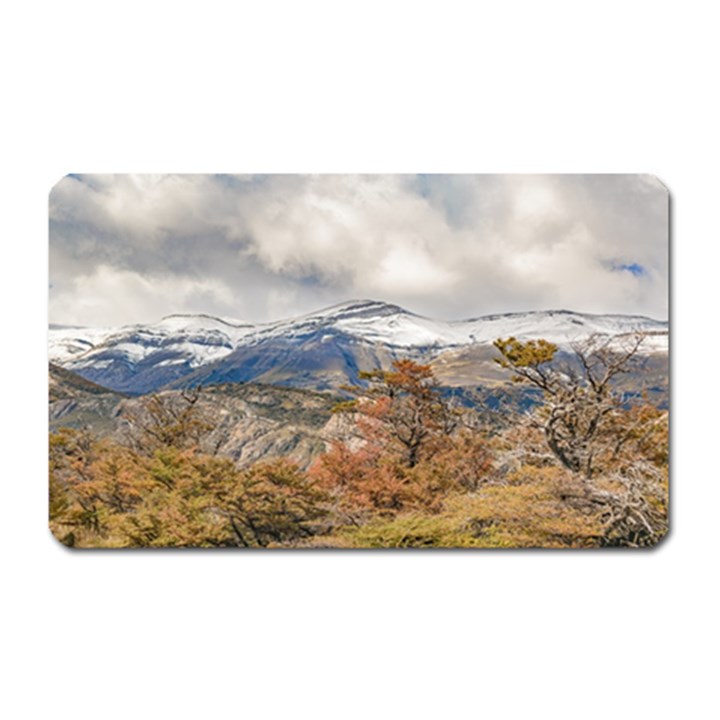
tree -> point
(580, 398)
(91, 481)
(412, 452)
(168, 420)
(273, 503)
(620, 453)
(405, 408)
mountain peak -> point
(200, 318)
(360, 308)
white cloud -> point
(533, 199)
(109, 296)
(450, 246)
(410, 270)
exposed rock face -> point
(247, 422)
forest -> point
(584, 467)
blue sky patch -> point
(634, 268)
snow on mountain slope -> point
(66, 342)
(563, 327)
(139, 358)
(391, 325)
(203, 338)
(197, 338)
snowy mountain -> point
(321, 349)
(140, 358)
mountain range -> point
(322, 350)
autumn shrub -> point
(414, 531)
(181, 502)
(274, 504)
(539, 507)
(106, 495)
(91, 481)
(464, 461)
(533, 511)
(364, 483)
(373, 481)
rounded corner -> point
(658, 182)
(662, 540)
(67, 541)
(57, 183)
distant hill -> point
(77, 402)
(65, 384)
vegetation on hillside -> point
(411, 469)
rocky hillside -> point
(248, 422)
(77, 402)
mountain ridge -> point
(321, 350)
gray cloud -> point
(134, 248)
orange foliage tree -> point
(405, 409)
(412, 450)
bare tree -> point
(167, 419)
(580, 394)
(619, 453)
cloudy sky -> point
(127, 249)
